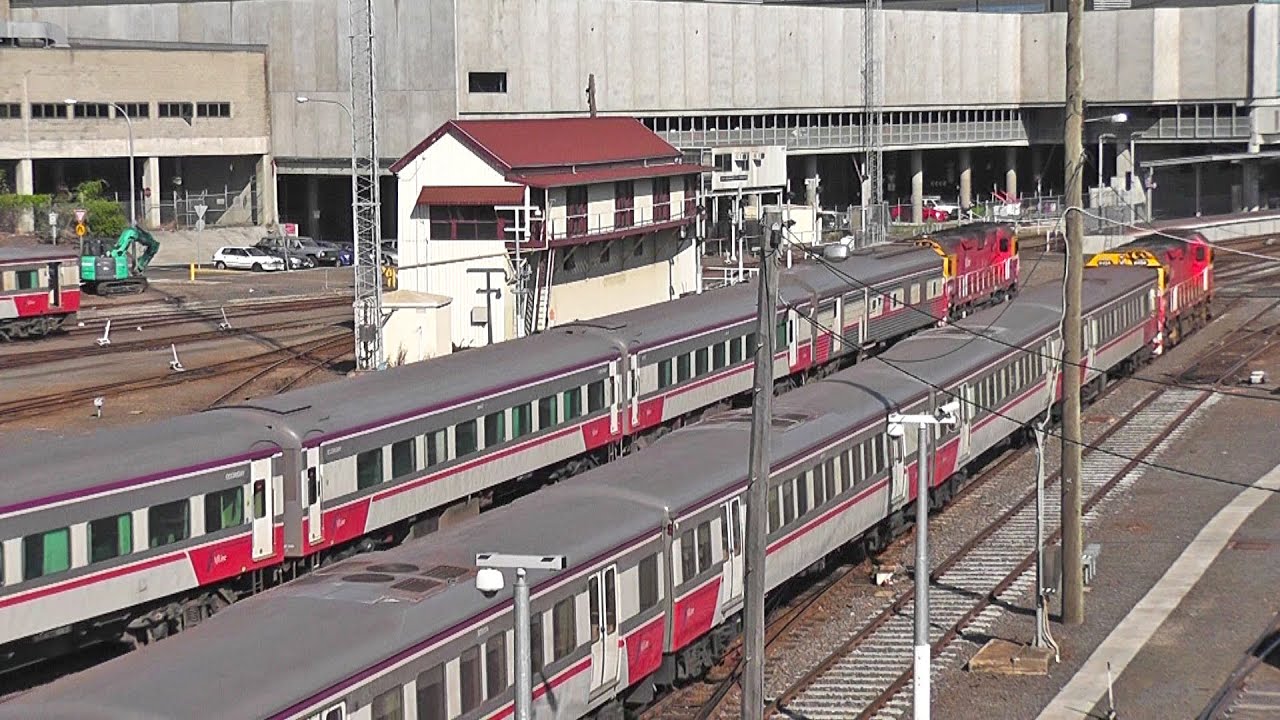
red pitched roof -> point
(552, 142)
(625, 172)
(471, 195)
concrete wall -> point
(310, 55)
(691, 57)
(128, 75)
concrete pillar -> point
(313, 206)
(1011, 172)
(150, 182)
(966, 179)
(1249, 180)
(5, 13)
(811, 180)
(24, 184)
(1037, 167)
(917, 186)
(266, 199)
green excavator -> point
(106, 267)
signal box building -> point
(531, 223)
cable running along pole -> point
(1072, 526)
(758, 490)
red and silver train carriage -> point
(141, 532)
(39, 290)
(654, 582)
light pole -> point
(490, 581)
(355, 232)
(133, 194)
(1101, 137)
(944, 415)
(1133, 178)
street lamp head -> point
(302, 99)
(70, 101)
(1120, 118)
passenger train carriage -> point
(39, 290)
(1183, 265)
(141, 532)
(653, 542)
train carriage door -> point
(55, 285)
(313, 487)
(837, 315)
(966, 423)
(262, 508)
(900, 449)
(827, 325)
(731, 533)
(633, 393)
(615, 406)
(602, 591)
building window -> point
(466, 222)
(48, 111)
(176, 110)
(487, 82)
(690, 196)
(624, 202)
(135, 110)
(661, 199)
(91, 110)
(576, 209)
(10, 111)
(213, 109)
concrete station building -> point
(972, 101)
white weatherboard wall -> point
(441, 267)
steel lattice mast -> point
(873, 122)
(364, 152)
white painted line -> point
(1089, 684)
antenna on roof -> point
(591, 93)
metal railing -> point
(584, 226)
(853, 136)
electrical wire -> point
(979, 335)
(1083, 445)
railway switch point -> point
(105, 340)
(226, 323)
(1001, 657)
(175, 364)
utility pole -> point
(368, 224)
(758, 490)
(1072, 524)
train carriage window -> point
(437, 447)
(1201, 253)
(775, 509)
(788, 502)
(338, 712)
(878, 446)
(403, 461)
(682, 367)
(736, 353)
(389, 705)
(431, 693)
(847, 465)
(780, 339)
(596, 396)
(470, 691)
(464, 438)
(536, 650)
(564, 628)
(572, 403)
(752, 345)
(593, 606)
(664, 373)
(704, 546)
(829, 481)
(802, 495)
(46, 553)
(700, 364)
(223, 509)
(688, 557)
(168, 523)
(915, 294)
(547, 412)
(111, 537)
(647, 577)
(495, 428)
(495, 666)
(611, 603)
(368, 468)
(819, 486)
(1004, 244)
(719, 357)
(27, 279)
(521, 420)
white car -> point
(246, 258)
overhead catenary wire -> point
(1084, 445)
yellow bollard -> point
(193, 272)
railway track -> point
(870, 675)
(45, 404)
(242, 391)
(47, 355)
(1252, 691)
(1224, 361)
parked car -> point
(390, 254)
(933, 210)
(334, 253)
(313, 252)
(246, 258)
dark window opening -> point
(576, 210)
(466, 222)
(91, 110)
(624, 201)
(487, 82)
(10, 111)
(213, 109)
(135, 110)
(661, 199)
(223, 509)
(48, 111)
(176, 110)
